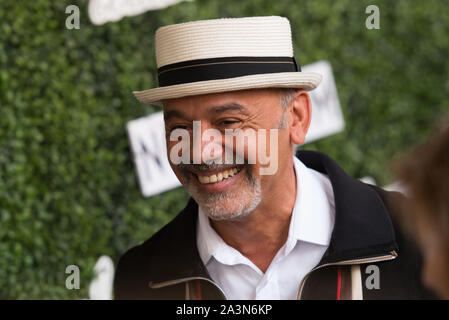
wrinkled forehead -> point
(244, 101)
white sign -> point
(101, 286)
(102, 11)
(147, 134)
(327, 118)
(147, 137)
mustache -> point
(215, 164)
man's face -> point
(229, 190)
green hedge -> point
(68, 191)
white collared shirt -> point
(309, 235)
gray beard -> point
(217, 210)
(228, 205)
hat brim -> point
(299, 80)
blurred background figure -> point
(425, 212)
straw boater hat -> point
(221, 55)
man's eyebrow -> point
(233, 106)
(174, 114)
(216, 109)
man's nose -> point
(207, 145)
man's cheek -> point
(245, 146)
(178, 147)
(179, 174)
(267, 146)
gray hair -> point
(287, 96)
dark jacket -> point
(168, 265)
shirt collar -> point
(208, 241)
(312, 219)
(313, 213)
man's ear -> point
(301, 115)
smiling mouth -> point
(218, 176)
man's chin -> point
(231, 205)
(230, 210)
(228, 216)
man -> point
(287, 228)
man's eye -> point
(180, 126)
(229, 122)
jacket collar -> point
(362, 227)
(362, 223)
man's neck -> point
(260, 235)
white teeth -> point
(203, 179)
(218, 177)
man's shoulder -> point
(137, 256)
(405, 241)
(157, 257)
(166, 238)
(133, 268)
